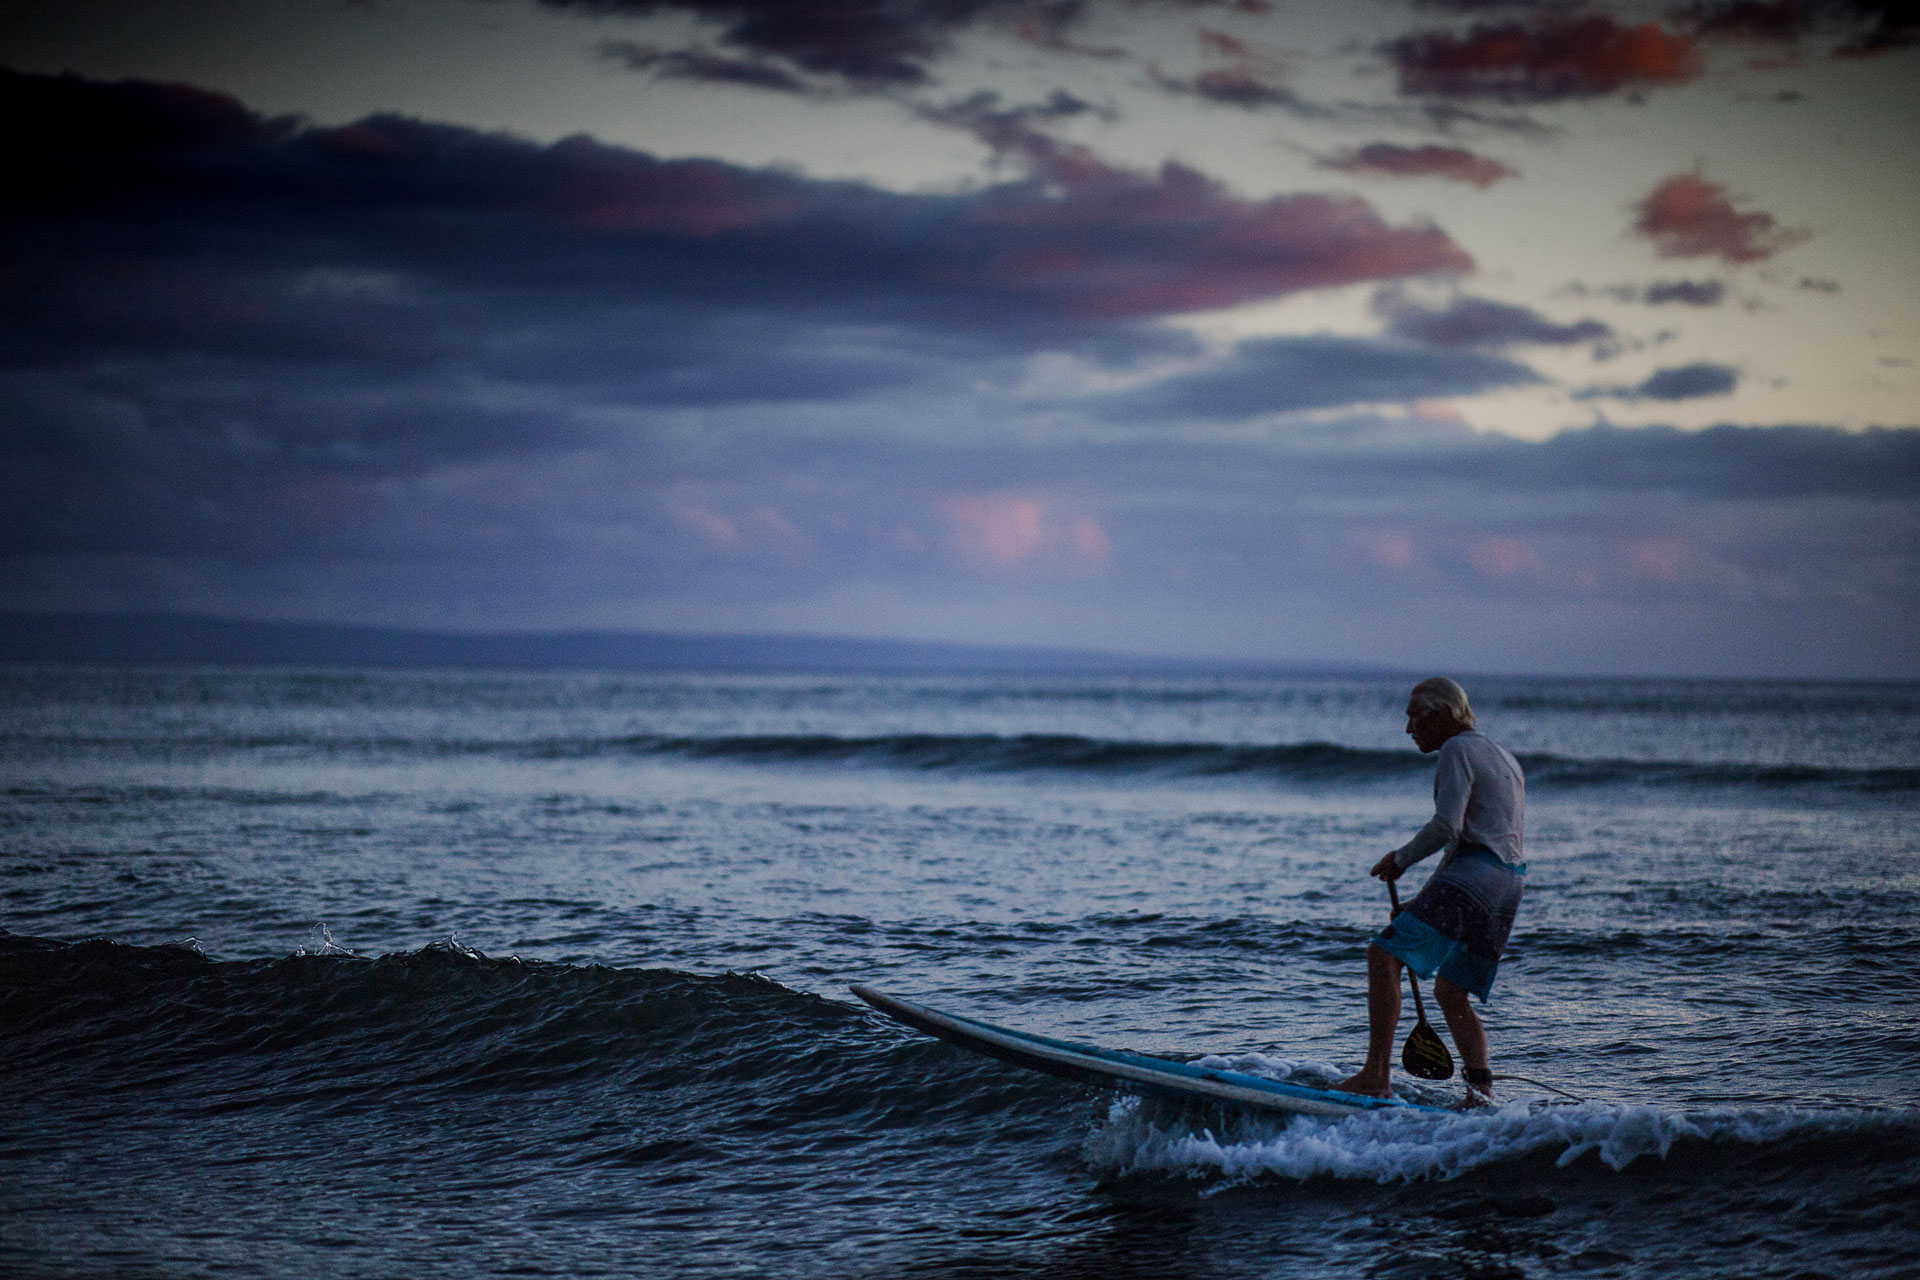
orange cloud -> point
(1688, 217)
(1556, 59)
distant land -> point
(185, 639)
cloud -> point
(1452, 163)
(1685, 382)
(1553, 59)
(1252, 79)
(1693, 293)
(201, 242)
(1236, 87)
(1468, 322)
(232, 335)
(1504, 557)
(1019, 533)
(1864, 27)
(876, 43)
(1888, 25)
(1282, 375)
(1771, 21)
(1724, 462)
(1688, 382)
(1688, 217)
(83, 118)
(697, 65)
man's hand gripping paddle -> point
(1423, 1055)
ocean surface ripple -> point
(378, 973)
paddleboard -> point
(1117, 1069)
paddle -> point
(1423, 1055)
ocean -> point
(374, 973)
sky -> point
(1440, 334)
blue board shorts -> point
(1458, 924)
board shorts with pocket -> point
(1458, 925)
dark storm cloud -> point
(1279, 375)
(1684, 382)
(1883, 26)
(1863, 27)
(1549, 59)
(1455, 164)
(1776, 21)
(1687, 216)
(1479, 322)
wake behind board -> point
(1115, 1068)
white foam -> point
(324, 945)
(1390, 1146)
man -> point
(1459, 923)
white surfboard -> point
(1118, 1069)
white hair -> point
(1437, 693)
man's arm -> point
(1452, 781)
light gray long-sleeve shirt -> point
(1479, 797)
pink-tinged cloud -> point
(1255, 78)
(1221, 43)
(1688, 217)
(1679, 562)
(1393, 551)
(1010, 533)
(760, 529)
(1498, 557)
(1558, 58)
(713, 527)
(1455, 164)
(1103, 242)
(1666, 560)
(1074, 238)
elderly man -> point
(1458, 924)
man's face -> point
(1426, 728)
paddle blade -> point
(1425, 1056)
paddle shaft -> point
(1419, 1008)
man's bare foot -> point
(1366, 1084)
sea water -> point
(379, 973)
